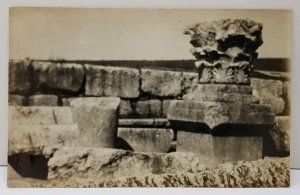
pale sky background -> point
(120, 34)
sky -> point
(128, 34)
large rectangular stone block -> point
(112, 81)
(43, 100)
(220, 149)
(161, 83)
(267, 87)
(148, 108)
(275, 103)
(147, 139)
(280, 133)
(20, 77)
(97, 119)
(16, 100)
(40, 115)
(40, 139)
(126, 110)
(59, 76)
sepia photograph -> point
(149, 97)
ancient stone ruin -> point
(219, 118)
(85, 125)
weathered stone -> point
(112, 81)
(125, 109)
(92, 167)
(222, 97)
(276, 104)
(40, 139)
(161, 83)
(280, 133)
(232, 148)
(225, 49)
(147, 139)
(43, 100)
(97, 119)
(16, 100)
(59, 76)
(189, 79)
(146, 122)
(40, 115)
(267, 87)
(220, 88)
(166, 104)
(67, 101)
(148, 108)
(214, 114)
(287, 98)
(20, 77)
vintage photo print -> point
(149, 97)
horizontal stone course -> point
(144, 122)
(57, 76)
(112, 81)
(16, 100)
(40, 139)
(43, 100)
(40, 115)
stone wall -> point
(144, 93)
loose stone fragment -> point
(267, 87)
(97, 119)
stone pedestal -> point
(219, 119)
(97, 119)
(220, 149)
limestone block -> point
(144, 122)
(16, 100)
(287, 98)
(166, 104)
(220, 149)
(214, 114)
(221, 97)
(267, 87)
(112, 81)
(276, 104)
(189, 79)
(125, 109)
(147, 139)
(67, 101)
(220, 88)
(97, 119)
(40, 139)
(40, 115)
(280, 133)
(20, 77)
(161, 83)
(148, 108)
(58, 76)
(43, 100)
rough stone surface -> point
(126, 110)
(97, 119)
(112, 81)
(276, 104)
(148, 108)
(147, 139)
(59, 76)
(20, 77)
(148, 122)
(216, 150)
(40, 139)
(40, 115)
(161, 83)
(43, 100)
(287, 98)
(189, 79)
(166, 104)
(91, 167)
(280, 133)
(267, 87)
(67, 101)
(220, 88)
(214, 114)
(16, 100)
(222, 97)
